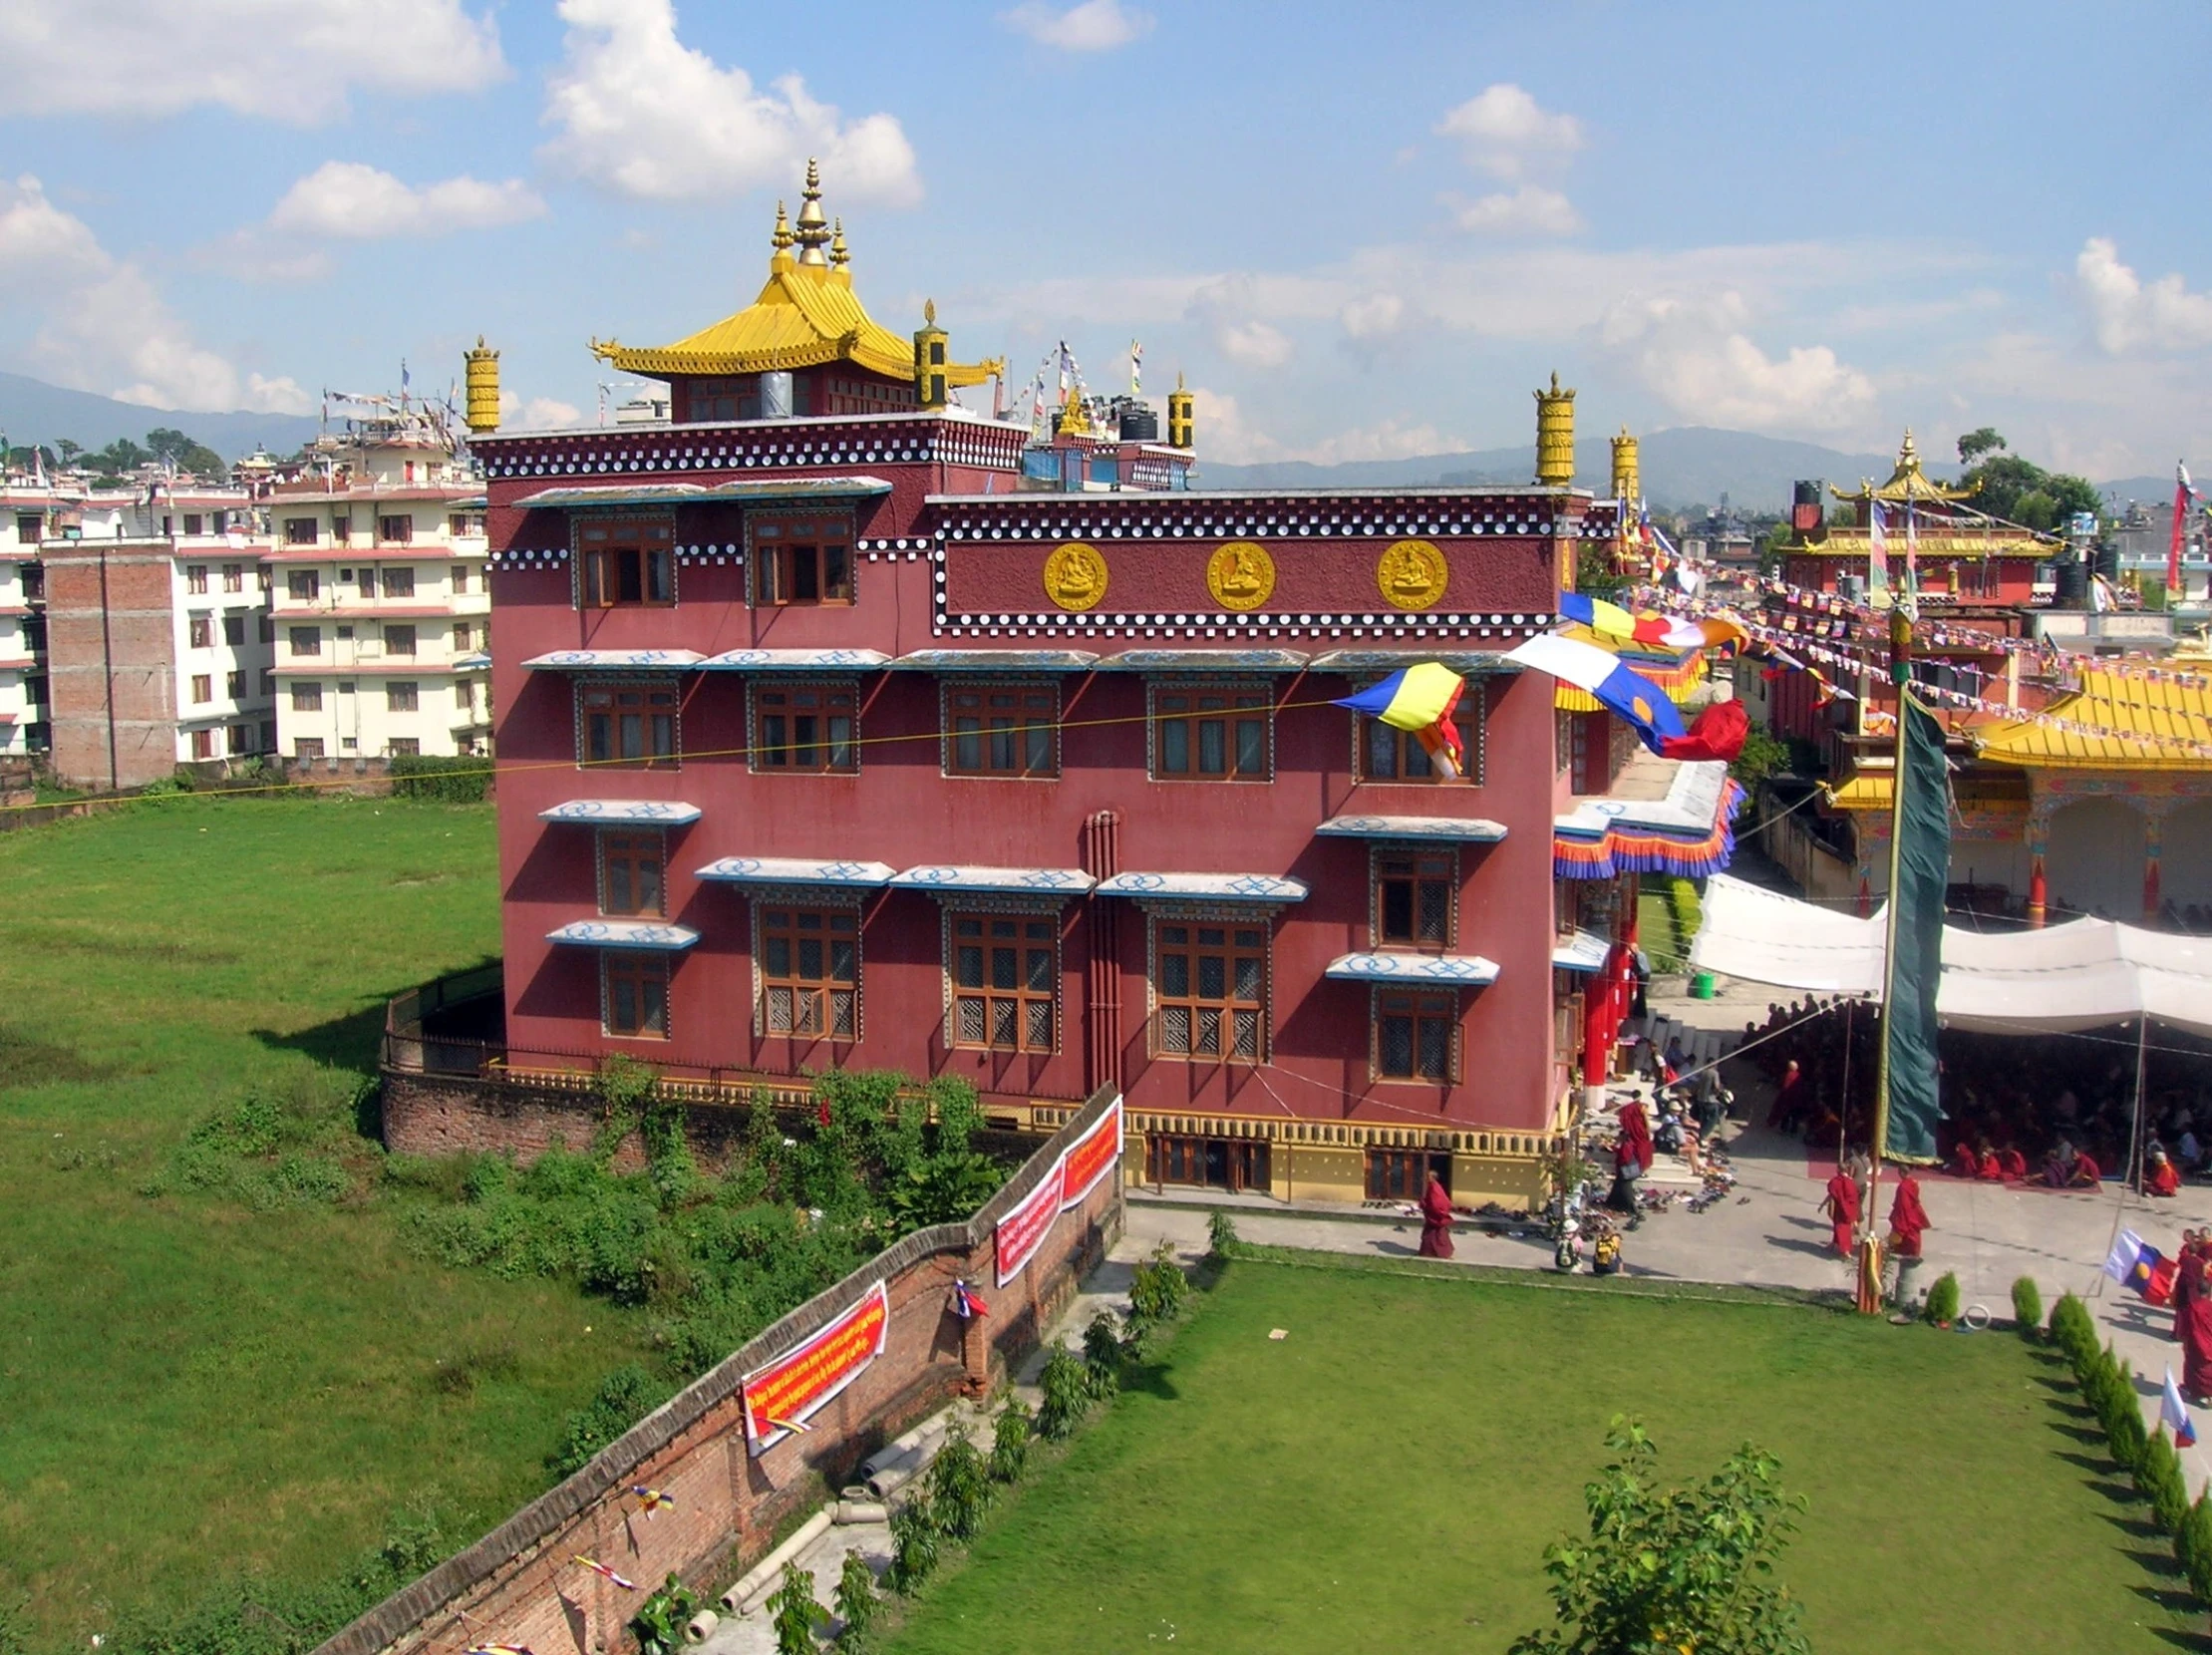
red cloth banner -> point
(783, 1395)
(1021, 1231)
(1091, 1157)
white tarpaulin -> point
(2077, 975)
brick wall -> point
(129, 661)
(518, 1584)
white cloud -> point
(349, 202)
(636, 111)
(1094, 26)
(1226, 434)
(1255, 343)
(537, 412)
(101, 323)
(1505, 131)
(1529, 211)
(1373, 315)
(1696, 356)
(2127, 315)
(276, 59)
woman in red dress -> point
(1436, 1220)
(1842, 1208)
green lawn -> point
(188, 1386)
(1388, 1477)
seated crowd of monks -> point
(2015, 1103)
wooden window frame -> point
(1009, 1016)
(793, 561)
(652, 755)
(307, 698)
(403, 695)
(623, 853)
(1239, 700)
(1409, 759)
(618, 557)
(203, 689)
(793, 1001)
(312, 636)
(1423, 1009)
(396, 528)
(771, 720)
(301, 532)
(1429, 873)
(646, 971)
(200, 632)
(303, 585)
(401, 640)
(1173, 936)
(398, 582)
(1398, 1174)
(1035, 715)
(1186, 1158)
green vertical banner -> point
(1923, 866)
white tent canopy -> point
(2078, 975)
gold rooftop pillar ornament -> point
(929, 358)
(1181, 426)
(1555, 435)
(483, 380)
(814, 231)
(1628, 476)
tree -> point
(1686, 1570)
(184, 453)
(1975, 444)
(69, 450)
(1593, 574)
(2020, 490)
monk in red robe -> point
(1842, 1208)
(1987, 1169)
(1436, 1220)
(2085, 1173)
(1964, 1162)
(1636, 1132)
(1790, 1099)
(2012, 1164)
(1908, 1219)
(2160, 1177)
(2188, 1278)
(2193, 1326)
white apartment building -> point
(380, 604)
(26, 518)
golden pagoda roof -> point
(1936, 539)
(1906, 482)
(807, 315)
(2139, 711)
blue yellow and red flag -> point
(2134, 1263)
(1421, 698)
(1609, 680)
(651, 1499)
(599, 1568)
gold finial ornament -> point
(782, 237)
(481, 367)
(838, 256)
(932, 375)
(1075, 576)
(1241, 575)
(1555, 435)
(929, 313)
(1628, 476)
(813, 227)
(1412, 574)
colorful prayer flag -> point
(599, 1568)
(1421, 698)
(965, 1303)
(1877, 557)
(499, 1649)
(2173, 1412)
(1610, 620)
(2183, 492)
(653, 1499)
(2134, 1263)
(1608, 679)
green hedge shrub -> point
(1943, 1300)
(2159, 1479)
(2192, 1548)
(2027, 1307)
(461, 779)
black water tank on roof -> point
(1139, 425)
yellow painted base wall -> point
(1325, 1173)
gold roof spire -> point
(813, 227)
(782, 237)
(837, 253)
(1907, 483)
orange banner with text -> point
(1091, 1157)
(779, 1397)
(1021, 1231)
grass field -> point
(1389, 1476)
(188, 1386)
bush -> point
(2027, 1307)
(1943, 1300)
(856, 1601)
(2159, 1479)
(1067, 1393)
(794, 1615)
(1102, 1357)
(913, 1544)
(2192, 1548)
(1220, 1234)
(658, 1623)
(461, 779)
(959, 1487)
(624, 1397)
(2072, 1330)
(1010, 1436)
(1158, 1290)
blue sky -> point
(1359, 231)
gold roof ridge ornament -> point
(1907, 484)
(805, 316)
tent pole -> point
(2135, 1145)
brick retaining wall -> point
(517, 1585)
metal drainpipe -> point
(107, 670)
(1102, 969)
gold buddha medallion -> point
(1074, 575)
(1240, 576)
(1412, 574)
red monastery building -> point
(841, 726)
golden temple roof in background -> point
(1906, 482)
(2130, 705)
(804, 317)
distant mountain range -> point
(31, 410)
(1690, 466)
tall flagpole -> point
(1900, 672)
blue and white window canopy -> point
(1459, 830)
(796, 870)
(1206, 887)
(995, 882)
(653, 934)
(1418, 971)
(623, 813)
